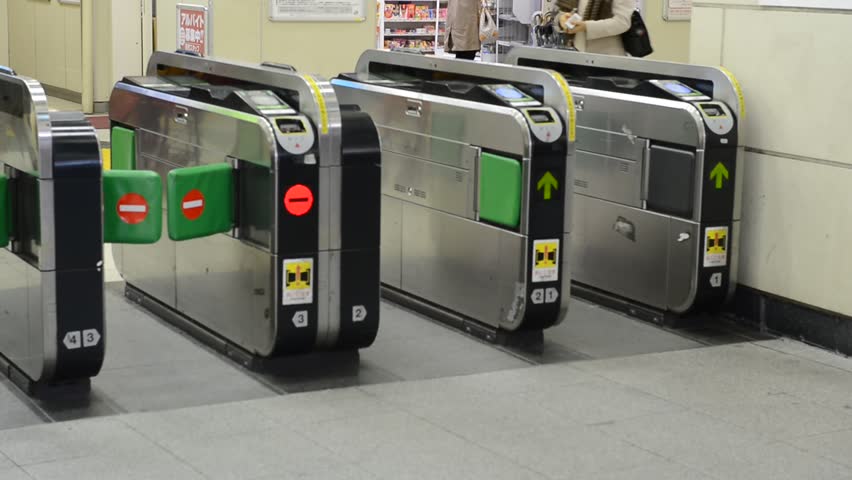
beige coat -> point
(463, 26)
(604, 36)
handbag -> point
(636, 40)
(487, 26)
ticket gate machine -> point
(658, 179)
(475, 214)
(51, 275)
(272, 199)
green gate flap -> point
(133, 206)
(200, 201)
(5, 211)
(123, 148)
(500, 190)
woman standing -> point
(462, 35)
(602, 25)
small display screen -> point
(509, 93)
(264, 99)
(679, 89)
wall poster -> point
(318, 10)
(677, 10)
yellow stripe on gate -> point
(106, 155)
(572, 111)
(738, 89)
(321, 101)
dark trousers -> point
(467, 55)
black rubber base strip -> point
(619, 304)
(41, 390)
(456, 321)
(778, 315)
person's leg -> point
(466, 55)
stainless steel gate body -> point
(436, 245)
(51, 275)
(658, 177)
(235, 284)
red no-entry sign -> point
(193, 204)
(132, 208)
(298, 200)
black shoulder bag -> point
(636, 40)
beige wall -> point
(242, 31)
(670, 39)
(45, 42)
(794, 68)
(4, 33)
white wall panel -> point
(795, 69)
(705, 47)
(797, 226)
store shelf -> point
(405, 20)
(404, 35)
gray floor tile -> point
(599, 401)
(59, 442)
(278, 451)
(5, 462)
(13, 473)
(542, 379)
(333, 471)
(689, 438)
(450, 461)
(147, 465)
(15, 409)
(781, 416)
(178, 385)
(197, 424)
(413, 348)
(836, 446)
(568, 452)
(137, 339)
(489, 417)
(779, 461)
(601, 333)
(402, 446)
(659, 470)
(316, 407)
(355, 439)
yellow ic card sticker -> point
(298, 281)
(545, 261)
(716, 247)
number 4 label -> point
(85, 339)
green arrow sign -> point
(719, 174)
(548, 183)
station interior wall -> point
(794, 66)
(243, 31)
(4, 32)
(43, 41)
(669, 39)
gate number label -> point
(359, 313)
(540, 296)
(81, 339)
(300, 319)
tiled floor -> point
(60, 105)
(765, 410)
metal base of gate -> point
(635, 310)
(41, 390)
(196, 331)
(467, 325)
